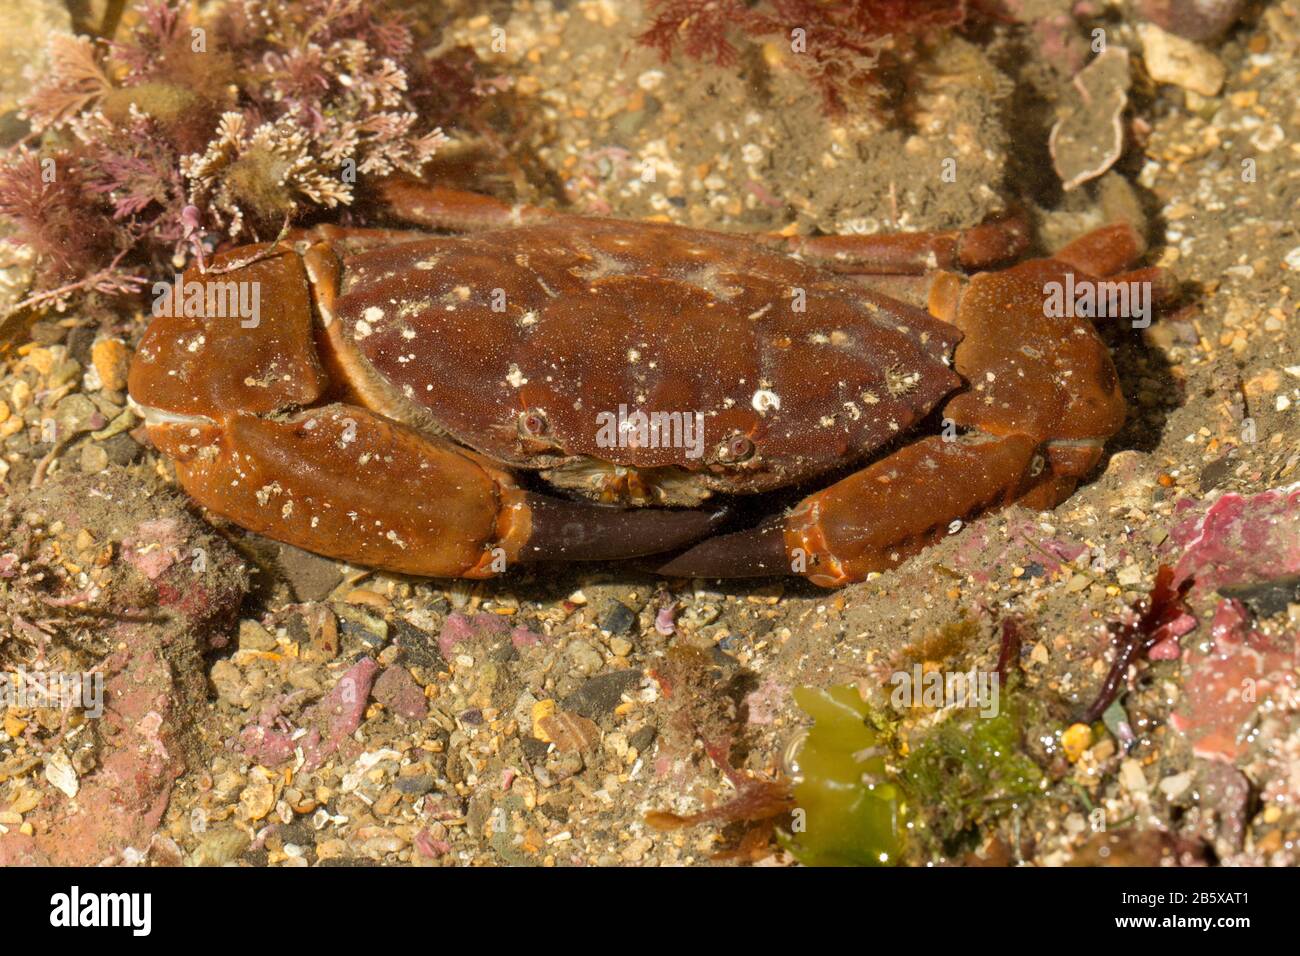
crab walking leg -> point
(437, 207)
(344, 482)
(877, 517)
(915, 253)
(997, 241)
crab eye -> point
(533, 423)
(736, 448)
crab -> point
(540, 386)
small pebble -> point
(111, 360)
(94, 458)
(1171, 59)
(618, 619)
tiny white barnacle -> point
(765, 400)
(264, 493)
(515, 377)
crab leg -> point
(342, 481)
(915, 253)
(911, 253)
(437, 207)
(875, 518)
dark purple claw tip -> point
(756, 553)
(575, 531)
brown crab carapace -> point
(395, 386)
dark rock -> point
(298, 833)
(642, 739)
(619, 618)
(415, 786)
(417, 648)
(368, 631)
(311, 577)
(122, 449)
(1215, 473)
(80, 340)
(1266, 598)
(599, 695)
(534, 749)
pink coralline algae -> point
(154, 547)
(1237, 540)
(1240, 540)
(483, 628)
(1225, 685)
(272, 740)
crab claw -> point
(574, 531)
(874, 518)
(755, 553)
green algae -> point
(866, 798)
(970, 770)
(849, 811)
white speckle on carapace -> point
(515, 377)
(765, 400)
